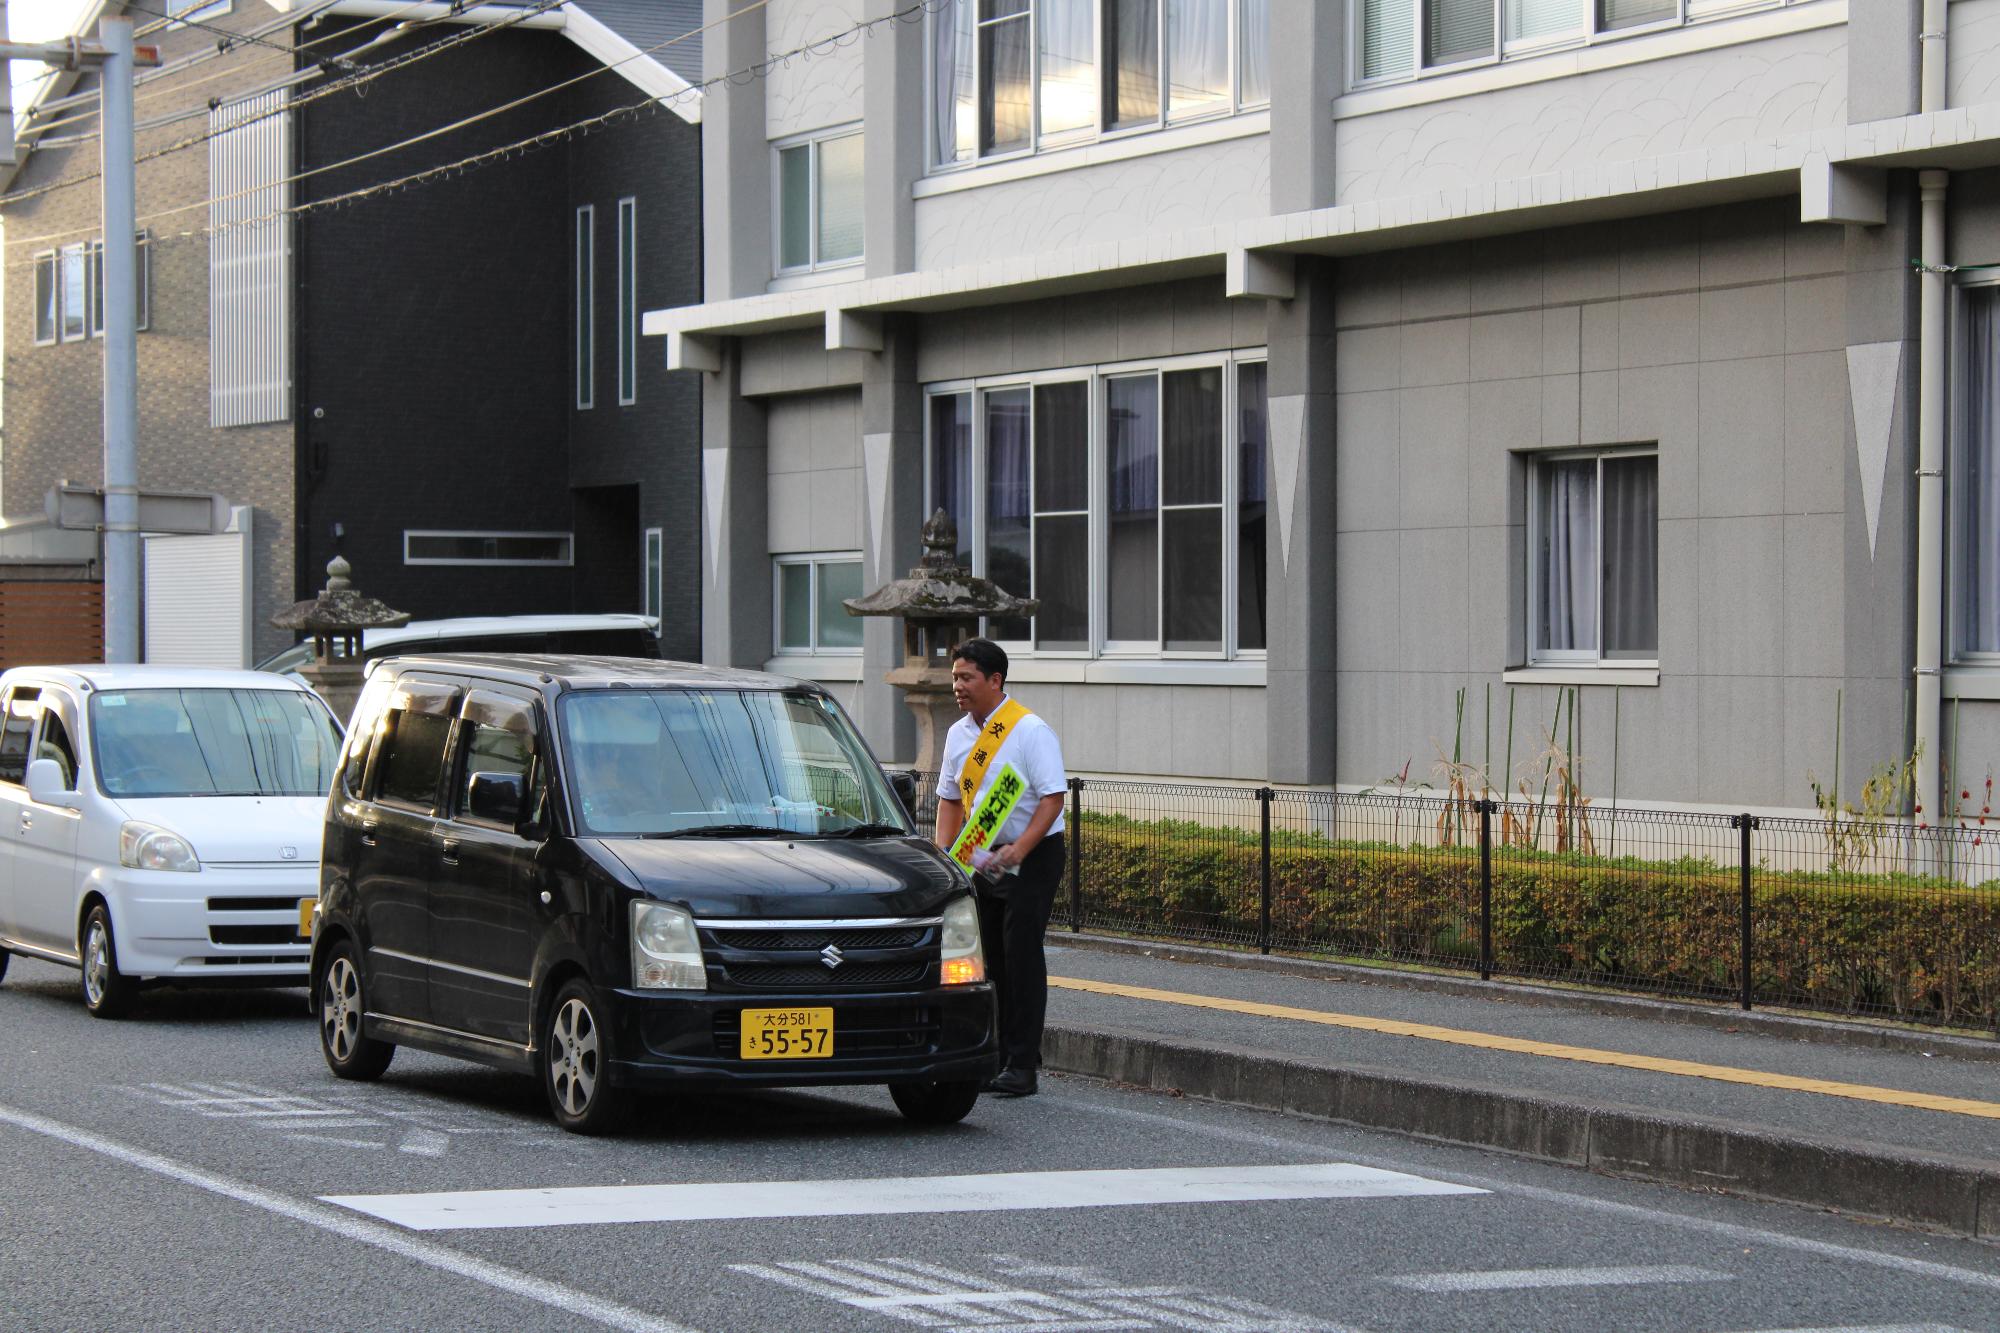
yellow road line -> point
(1755, 1078)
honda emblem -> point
(289, 853)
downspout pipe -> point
(1933, 297)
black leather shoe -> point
(1013, 1083)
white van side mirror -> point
(45, 785)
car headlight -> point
(964, 962)
(150, 847)
(665, 953)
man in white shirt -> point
(1013, 908)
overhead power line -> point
(760, 69)
(367, 74)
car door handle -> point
(368, 833)
(27, 821)
(448, 849)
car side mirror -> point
(904, 784)
(46, 785)
(497, 797)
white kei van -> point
(161, 823)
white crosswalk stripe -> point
(1521, 1279)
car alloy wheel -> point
(107, 992)
(573, 1058)
(576, 1064)
(340, 1010)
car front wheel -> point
(576, 1064)
(934, 1103)
(107, 992)
(348, 1053)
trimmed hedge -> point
(1917, 949)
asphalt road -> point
(197, 1167)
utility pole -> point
(115, 58)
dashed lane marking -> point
(998, 1192)
(428, 1253)
(1489, 1041)
(1526, 1279)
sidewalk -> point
(1805, 1112)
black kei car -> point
(619, 875)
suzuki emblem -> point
(832, 956)
(289, 853)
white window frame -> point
(142, 255)
(1577, 658)
(814, 559)
(1588, 33)
(653, 574)
(812, 143)
(628, 301)
(583, 268)
(54, 264)
(1098, 645)
(567, 560)
(199, 10)
(1234, 104)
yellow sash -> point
(984, 746)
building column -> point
(892, 481)
(735, 500)
(892, 89)
(735, 156)
(1299, 694)
(1308, 57)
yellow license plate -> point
(306, 906)
(787, 1034)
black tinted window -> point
(491, 750)
(22, 705)
(410, 758)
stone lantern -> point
(339, 614)
(941, 604)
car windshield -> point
(723, 762)
(210, 742)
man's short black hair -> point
(988, 656)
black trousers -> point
(1011, 929)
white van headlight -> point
(150, 847)
(963, 961)
(666, 955)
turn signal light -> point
(962, 971)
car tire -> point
(935, 1103)
(576, 1064)
(4, 956)
(107, 992)
(349, 1052)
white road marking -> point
(428, 1253)
(945, 1299)
(336, 1142)
(582, 1205)
(1873, 1328)
(425, 1143)
(1732, 1230)
(1522, 1279)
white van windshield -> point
(723, 763)
(212, 743)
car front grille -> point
(289, 903)
(828, 956)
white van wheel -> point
(107, 992)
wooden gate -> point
(44, 622)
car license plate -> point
(787, 1034)
(306, 906)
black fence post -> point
(1485, 807)
(1264, 795)
(1744, 824)
(1075, 855)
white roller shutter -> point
(249, 262)
(198, 597)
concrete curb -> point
(1960, 1196)
(1687, 1013)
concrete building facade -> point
(1565, 346)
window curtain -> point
(1006, 97)
(954, 114)
(1132, 63)
(1253, 52)
(1568, 549)
(1457, 30)
(1632, 558)
(1527, 20)
(1976, 486)
(1068, 92)
(1197, 56)
(1133, 454)
(841, 199)
(1388, 37)
(1631, 13)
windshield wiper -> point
(868, 831)
(724, 831)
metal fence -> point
(1880, 918)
